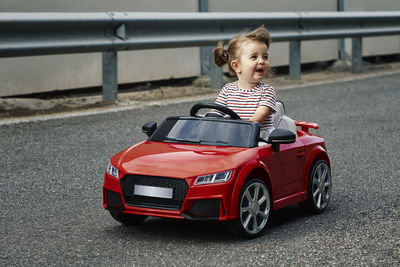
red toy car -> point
(207, 168)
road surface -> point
(52, 174)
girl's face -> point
(252, 64)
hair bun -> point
(220, 55)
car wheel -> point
(319, 187)
(254, 209)
(128, 219)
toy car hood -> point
(179, 160)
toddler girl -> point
(251, 99)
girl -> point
(251, 99)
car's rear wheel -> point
(254, 209)
(128, 219)
(319, 187)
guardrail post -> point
(205, 59)
(204, 50)
(341, 42)
(110, 76)
(295, 60)
(216, 74)
(356, 55)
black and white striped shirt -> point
(245, 102)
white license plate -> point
(153, 191)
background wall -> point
(26, 75)
(97, 5)
(375, 45)
(279, 53)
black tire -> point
(319, 187)
(254, 210)
(128, 219)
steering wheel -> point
(225, 110)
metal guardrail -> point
(27, 34)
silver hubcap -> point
(321, 186)
(254, 208)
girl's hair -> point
(223, 56)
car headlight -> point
(214, 178)
(111, 170)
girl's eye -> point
(266, 57)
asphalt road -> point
(52, 174)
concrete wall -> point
(372, 46)
(279, 53)
(26, 75)
(97, 5)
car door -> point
(286, 168)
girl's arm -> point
(266, 106)
(262, 112)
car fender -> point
(241, 179)
(317, 152)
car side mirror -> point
(280, 136)
(149, 128)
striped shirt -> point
(245, 102)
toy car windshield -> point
(207, 131)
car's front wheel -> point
(254, 209)
(128, 219)
(319, 187)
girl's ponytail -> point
(220, 55)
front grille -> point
(179, 187)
